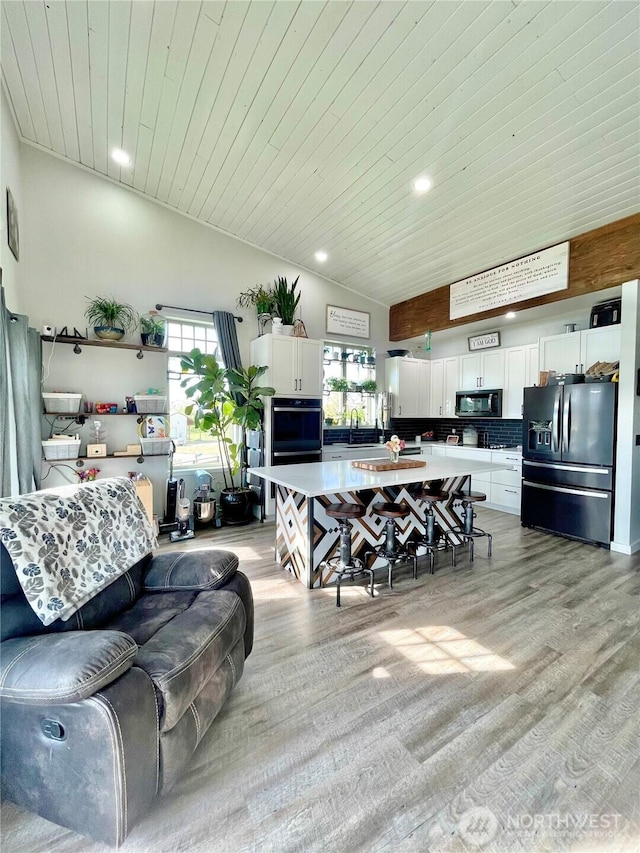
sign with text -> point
(345, 321)
(488, 340)
(528, 277)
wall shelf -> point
(78, 343)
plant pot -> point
(236, 505)
(287, 330)
(109, 333)
(149, 339)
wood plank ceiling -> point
(300, 126)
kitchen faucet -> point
(351, 422)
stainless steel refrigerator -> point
(568, 450)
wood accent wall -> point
(599, 259)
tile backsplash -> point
(498, 431)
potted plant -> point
(111, 319)
(153, 329)
(259, 296)
(370, 386)
(286, 301)
(224, 399)
(337, 384)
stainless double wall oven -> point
(296, 431)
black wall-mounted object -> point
(606, 314)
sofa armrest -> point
(54, 669)
(196, 570)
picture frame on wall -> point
(12, 226)
(346, 321)
(487, 340)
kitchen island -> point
(306, 536)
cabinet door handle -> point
(511, 491)
(296, 385)
(440, 409)
(399, 410)
(300, 388)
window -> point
(349, 384)
(194, 448)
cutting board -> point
(386, 465)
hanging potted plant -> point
(370, 386)
(111, 319)
(224, 400)
(286, 301)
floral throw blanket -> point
(69, 543)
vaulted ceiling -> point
(300, 126)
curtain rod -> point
(192, 310)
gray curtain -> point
(227, 336)
(20, 366)
(226, 330)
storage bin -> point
(155, 446)
(150, 404)
(61, 402)
(59, 448)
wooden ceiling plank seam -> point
(78, 28)
(119, 44)
(16, 19)
(137, 57)
(239, 69)
(98, 20)
(550, 142)
(265, 110)
(194, 159)
(179, 56)
(164, 16)
(214, 10)
(301, 116)
(420, 135)
(14, 83)
(229, 146)
(315, 43)
(56, 14)
(395, 127)
(545, 133)
(204, 39)
(42, 54)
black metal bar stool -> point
(390, 549)
(434, 537)
(466, 529)
(345, 563)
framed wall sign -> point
(346, 321)
(488, 340)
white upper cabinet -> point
(520, 371)
(444, 384)
(482, 370)
(576, 351)
(295, 364)
(408, 382)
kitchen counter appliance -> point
(568, 452)
(480, 403)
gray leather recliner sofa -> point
(101, 713)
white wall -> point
(10, 177)
(85, 236)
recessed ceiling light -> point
(422, 184)
(321, 256)
(510, 315)
(121, 157)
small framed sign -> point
(452, 439)
(488, 340)
(346, 321)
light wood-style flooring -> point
(494, 707)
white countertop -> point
(324, 478)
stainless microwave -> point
(479, 403)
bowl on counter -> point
(392, 353)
